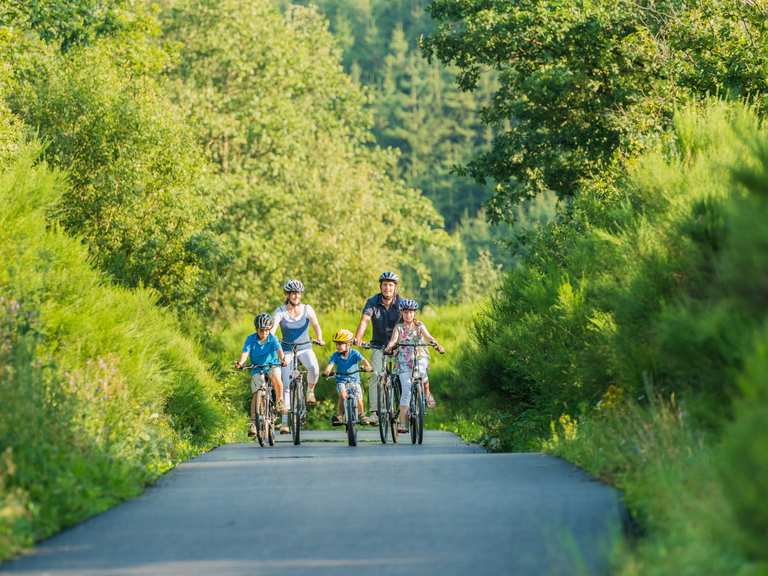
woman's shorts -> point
(258, 381)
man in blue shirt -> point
(382, 312)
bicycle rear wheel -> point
(383, 410)
(351, 422)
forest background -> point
(586, 180)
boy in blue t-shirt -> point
(346, 360)
(264, 351)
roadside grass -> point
(100, 392)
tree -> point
(582, 86)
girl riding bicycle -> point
(346, 360)
(264, 352)
(411, 331)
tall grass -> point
(632, 342)
(99, 390)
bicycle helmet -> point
(408, 304)
(343, 336)
(389, 277)
(293, 286)
(263, 321)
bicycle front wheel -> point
(297, 402)
(394, 407)
(383, 410)
(351, 422)
(413, 420)
(420, 405)
(261, 417)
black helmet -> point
(408, 304)
(293, 286)
(263, 321)
(389, 277)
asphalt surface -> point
(444, 507)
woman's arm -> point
(313, 321)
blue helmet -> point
(408, 304)
(389, 277)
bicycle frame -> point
(351, 414)
(265, 417)
(297, 413)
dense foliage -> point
(630, 337)
(582, 87)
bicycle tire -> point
(260, 418)
(394, 407)
(420, 415)
(382, 409)
(297, 386)
(270, 421)
(351, 424)
(412, 420)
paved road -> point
(324, 508)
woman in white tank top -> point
(294, 320)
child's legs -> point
(257, 382)
(405, 394)
(277, 382)
(342, 392)
(423, 367)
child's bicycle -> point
(418, 406)
(388, 397)
(351, 415)
(265, 415)
(297, 413)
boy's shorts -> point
(343, 385)
(258, 381)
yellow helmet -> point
(343, 335)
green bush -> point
(99, 391)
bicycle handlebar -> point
(345, 373)
(292, 344)
(252, 366)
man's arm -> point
(361, 327)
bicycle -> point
(350, 406)
(417, 408)
(297, 412)
(388, 396)
(265, 416)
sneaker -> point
(431, 401)
(402, 429)
(252, 430)
(280, 407)
(336, 420)
(284, 429)
(372, 420)
(365, 420)
(311, 397)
